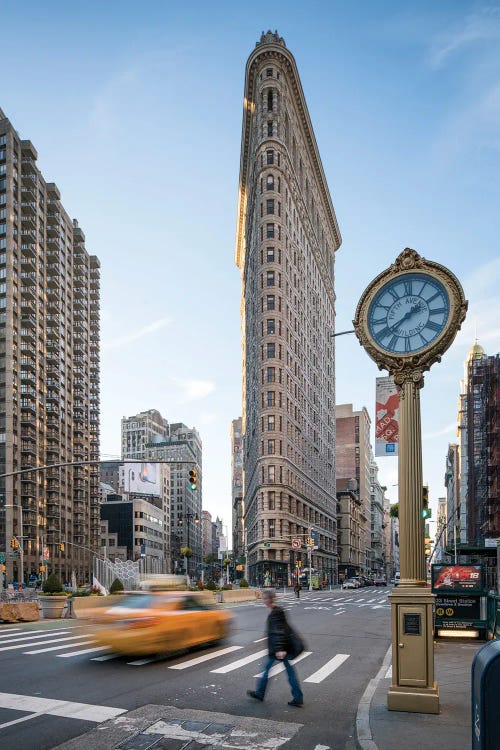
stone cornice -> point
(262, 53)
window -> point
(270, 325)
(270, 254)
(270, 301)
(270, 157)
(270, 129)
(270, 182)
(271, 449)
(270, 422)
(271, 473)
(269, 101)
(270, 206)
(272, 532)
(270, 278)
(271, 398)
(269, 72)
(271, 375)
(271, 350)
(271, 500)
(270, 231)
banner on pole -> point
(387, 417)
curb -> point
(363, 730)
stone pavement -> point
(448, 730)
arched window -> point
(270, 182)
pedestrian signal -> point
(3, 568)
(193, 479)
(61, 546)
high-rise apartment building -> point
(141, 430)
(287, 235)
(354, 457)
(238, 507)
(49, 373)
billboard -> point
(142, 478)
(386, 417)
(456, 578)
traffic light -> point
(14, 543)
(61, 546)
(426, 511)
(180, 521)
(3, 568)
(193, 479)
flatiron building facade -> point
(287, 235)
(49, 375)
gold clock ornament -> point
(409, 315)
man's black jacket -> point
(277, 631)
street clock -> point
(409, 314)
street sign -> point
(296, 543)
(46, 553)
(2, 557)
(267, 544)
(13, 554)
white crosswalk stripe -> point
(85, 651)
(60, 648)
(206, 657)
(327, 668)
(278, 668)
(240, 663)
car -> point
(160, 622)
(360, 581)
(380, 582)
(350, 583)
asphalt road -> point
(56, 685)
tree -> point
(186, 552)
(394, 512)
(52, 585)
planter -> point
(52, 606)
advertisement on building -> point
(387, 417)
(455, 578)
(142, 479)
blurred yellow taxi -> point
(161, 622)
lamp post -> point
(180, 522)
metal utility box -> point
(485, 690)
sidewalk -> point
(448, 730)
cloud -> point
(439, 433)
(477, 28)
(121, 341)
(194, 390)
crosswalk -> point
(76, 642)
(313, 600)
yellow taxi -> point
(161, 622)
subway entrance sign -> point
(461, 601)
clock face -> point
(408, 313)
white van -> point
(397, 577)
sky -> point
(136, 113)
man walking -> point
(277, 630)
(297, 588)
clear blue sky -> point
(135, 109)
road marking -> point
(39, 634)
(8, 631)
(240, 663)
(141, 662)
(85, 651)
(60, 648)
(35, 704)
(24, 645)
(281, 667)
(327, 668)
(106, 657)
(260, 639)
(206, 657)
(388, 674)
(339, 612)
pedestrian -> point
(297, 588)
(278, 632)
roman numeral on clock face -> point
(433, 326)
(437, 311)
(392, 343)
(408, 287)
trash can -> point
(485, 689)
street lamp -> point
(180, 521)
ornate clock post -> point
(406, 319)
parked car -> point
(160, 622)
(350, 583)
(380, 582)
(397, 578)
(360, 581)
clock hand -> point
(407, 315)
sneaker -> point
(253, 694)
(295, 703)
